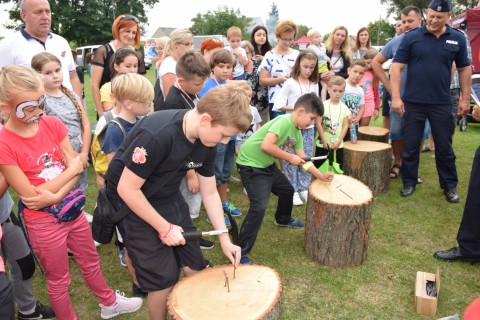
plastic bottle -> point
(353, 134)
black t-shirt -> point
(155, 147)
(176, 99)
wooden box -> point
(425, 304)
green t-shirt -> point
(251, 155)
(332, 122)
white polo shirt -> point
(19, 48)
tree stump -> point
(377, 134)
(369, 162)
(255, 293)
(338, 222)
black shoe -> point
(451, 195)
(206, 244)
(41, 312)
(407, 191)
(453, 254)
(138, 291)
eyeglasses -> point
(129, 17)
(40, 103)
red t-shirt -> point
(39, 157)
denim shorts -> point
(224, 162)
(396, 127)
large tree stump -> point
(255, 293)
(373, 134)
(369, 162)
(338, 222)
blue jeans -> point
(224, 162)
(259, 182)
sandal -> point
(393, 173)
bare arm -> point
(395, 83)
(266, 81)
(465, 79)
(86, 139)
(97, 72)
(268, 146)
(377, 68)
(168, 80)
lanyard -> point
(186, 95)
(301, 87)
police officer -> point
(429, 52)
(468, 236)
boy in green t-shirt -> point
(260, 174)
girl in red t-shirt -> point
(39, 163)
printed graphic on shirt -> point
(329, 125)
(53, 167)
(352, 100)
(139, 155)
(289, 143)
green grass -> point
(404, 233)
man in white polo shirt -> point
(35, 37)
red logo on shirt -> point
(139, 155)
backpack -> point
(99, 158)
(158, 98)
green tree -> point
(302, 30)
(218, 21)
(87, 21)
(394, 7)
(380, 32)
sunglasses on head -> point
(129, 17)
(40, 103)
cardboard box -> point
(425, 304)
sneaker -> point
(227, 221)
(206, 244)
(245, 191)
(229, 207)
(138, 291)
(97, 244)
(208, 263)
(120, 306)
(245, 260)
(294, 223)
(296, 199)
(41, 312)
(234, 179)
(88, 216)
(121, 255)
(304, 195)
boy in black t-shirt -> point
(155, 147)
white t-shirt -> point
(168, 66)
(239, 69)
(290, 92)
(19, 48)
(243, 136)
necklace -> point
(333, 128)
(192, 105)
(185, 124)
(301, 87)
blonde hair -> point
(18, 79)
(244, 86)
(370, 54)
(228, 105)
(337, 81)
(312, 32)
(234, 32)
(162, 41)
(133, 87)
(345, 48)
(247, 44)
(38, 61)
(177, 36)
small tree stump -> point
(338, 222)
(255, 293)
(373, 134)
(369, 162)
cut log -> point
(338, 222)
(369, 162)
(373, 134)
(255, 293)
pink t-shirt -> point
(39, 157)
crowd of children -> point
(211, 114)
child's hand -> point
(192, 182)
(295, 160)
(325, 177)
(173, 237)
(476, 113)
(84, 158)
(336, 144)
(325, 144)
(375, 114)
(42, 199)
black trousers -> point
(468, 236)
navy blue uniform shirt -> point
(429, 62)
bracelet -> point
(307, 165)
(167, 234)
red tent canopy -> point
(472, 17)
(302, 40)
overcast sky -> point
(353, 14)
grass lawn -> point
(404, 233)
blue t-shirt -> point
(389, 52)
(430, 63)
(114, 135)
